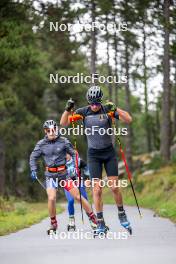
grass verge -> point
(156, 191)
(16, 215)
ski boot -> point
(124, 221)
(101, 229)
(92, 220)
(71, 226)
(107, 227)
(52, 229)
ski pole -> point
(124, 160)
(41, 183)
(77, 168)
(128, 171)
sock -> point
(53, 220)
(100, 216)
(120, 208)
(90, 214)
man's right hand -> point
(69, 105)
(33, 175)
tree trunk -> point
(115, 55)
(174, 125)
(158, 127)
(14, 177)
(2, 167)
(147, 121)
(108, 60)
(128, 108)
(166, 121)
(93, 40)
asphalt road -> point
(153, 241)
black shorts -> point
(99, 157)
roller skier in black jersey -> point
(100, 149)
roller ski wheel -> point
(100, 235)
(124, 222)
(71, 226)
(52, 230)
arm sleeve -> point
(81, 111)
(35, 155)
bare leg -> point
(75, 193)
(97, 196)
(51, 201)
(113, 182)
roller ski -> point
(124, 222)
(52, 229)
(71, 226)
(101, 229)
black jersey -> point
(97, 123)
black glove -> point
(110, 106)
(69, 105)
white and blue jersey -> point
(71, 169)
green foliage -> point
(23, 214)
(21, 208)
(6, 205)
(156, 191)
(29, 52)
(173, 159)
(156, 163)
